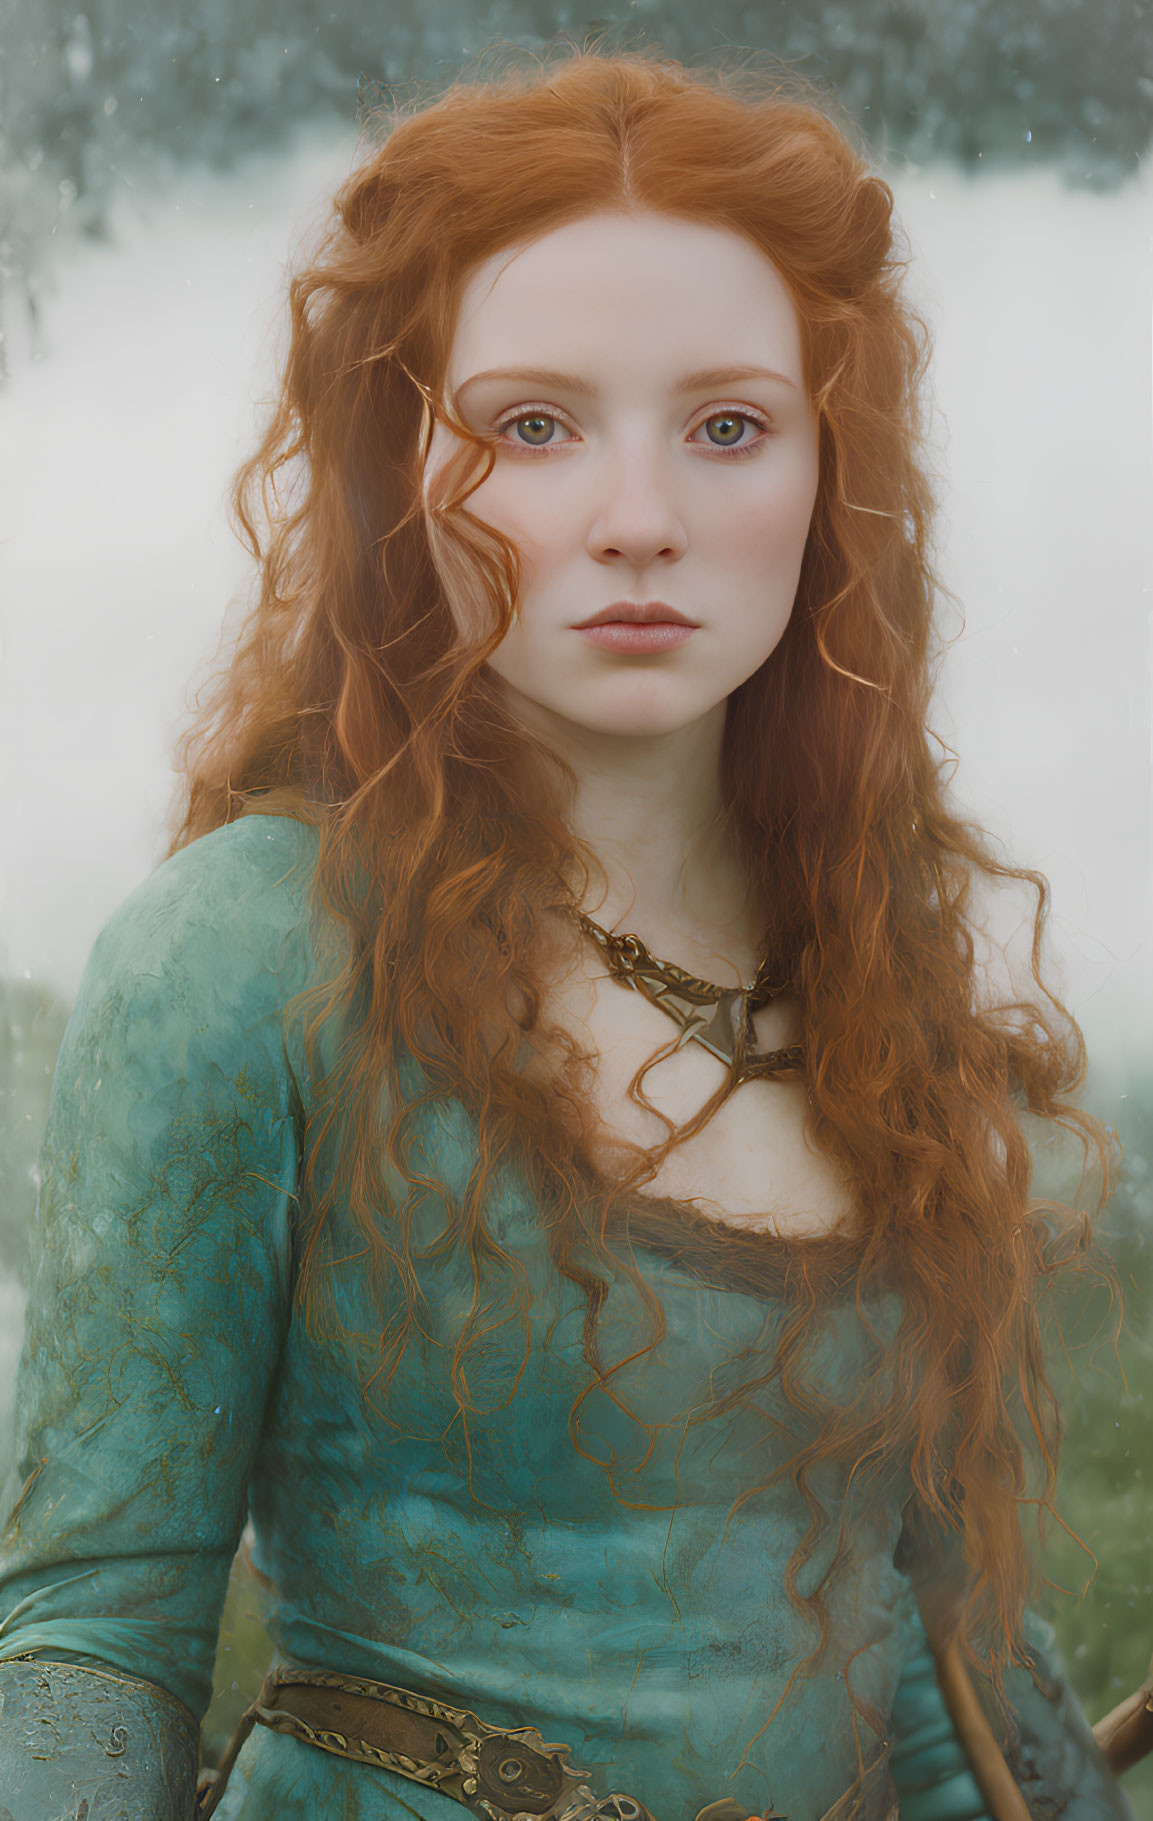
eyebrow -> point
(710, 377)
(551, 380)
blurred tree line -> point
(32, 1024)
(113, 94)
(1098, 1556)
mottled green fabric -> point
(89, 1742)
(629, 1600)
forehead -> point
(611, 290)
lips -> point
(636, 613)
(637, 638)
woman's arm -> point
(932, 1775)
(159, 1301)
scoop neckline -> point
(729, 1256)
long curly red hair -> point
(353, 701)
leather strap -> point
(497, 1772)
(996, 1782)
(1125, 1734)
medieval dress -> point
(615, 1578)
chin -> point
(646, 721)
(641, 707)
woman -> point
(631, 1366)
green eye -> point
(725, 428)
(535, 430)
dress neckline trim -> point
(731, 1257)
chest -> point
(752, 1164)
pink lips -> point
(637, 628)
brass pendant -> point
(718, 1018)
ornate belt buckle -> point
(513, 1775)
(516, 1776)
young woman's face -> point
(656, 462)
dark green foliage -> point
(1104, 1618)
(243, 1657)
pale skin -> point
(644, 378)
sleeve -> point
(1046, 1741)
(160, 1294)
(932, 1775)
(1050, 1745)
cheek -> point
(769, 527)
(533, 524)
(540, 521)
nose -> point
(637, 519)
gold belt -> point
(501, 1773)
(511, 1774)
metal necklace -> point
(719, 1018)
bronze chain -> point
(716, 1017)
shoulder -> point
(249, 879)
(229, 915)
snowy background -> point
(142, 275)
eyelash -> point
(737, 450)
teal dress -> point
(627, 1596)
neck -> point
(649, 813)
